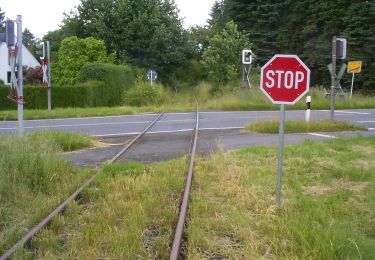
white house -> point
(27, 60)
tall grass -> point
(327, 203)
(65, 141)
(33, 180)
(299, 126)
(231, 99)
(128, 213)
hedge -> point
(100, 85)
(118, 80)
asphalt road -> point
(170, 137)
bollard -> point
(308, 107)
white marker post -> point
(308, 107)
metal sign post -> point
(280, 154)
(338, 52)
(284, 80)
(152, 76)
(247, 59)
(333, 79)
(49, 96)
(20, 76)
(354, 67)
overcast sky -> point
(41, 16)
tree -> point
(29, 40)
(219, 16)
(359, 30)
(74, 53)
(261, 20)
(146, 33)
(2, 19)
(222, 59)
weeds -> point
(33, 180)
(233, 213)
(152, 100)
(297, 126)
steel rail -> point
(26, 238)
(179, 231)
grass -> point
(240, 99)
(34, 178)
(67, 142)
(327, 207)
(298, 126)
(130, 212)
(76, 112)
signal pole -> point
(333, 79)
(49, 96)
(20, 75)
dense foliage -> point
(74, 53)
(306, 28)
(222, 58)
(149, 34)
(145, 33)
(99, 85)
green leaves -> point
(74, 53)
(222, 59)
(145, 33)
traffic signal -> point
(247, 56)
(41, 50)
(9, 36)
(340, 48)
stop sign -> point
(285, 79)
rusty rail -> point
(179, 231)
(26, 238)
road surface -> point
(169, 138)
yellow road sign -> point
(354, 66)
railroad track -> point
(179, 230)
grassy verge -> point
(327, 207)
(76, 112)
(67, 142)
(33, 180)
(240, 99)
(298, 126)
(128, 213)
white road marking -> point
(233, 112)
(169, 131)
(322, 135)
(352, 112)
(371, 129)
(365, 121)
(83, 118)
(97, 124)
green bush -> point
(99, 85)
(187, 76)
(117, 78)
(75, 53)
(86, 94)
(144, 94)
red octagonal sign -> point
(285, 79)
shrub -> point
(222, 58)
(32, 75)
(117, 79)
(74, 53)
(144, 94)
